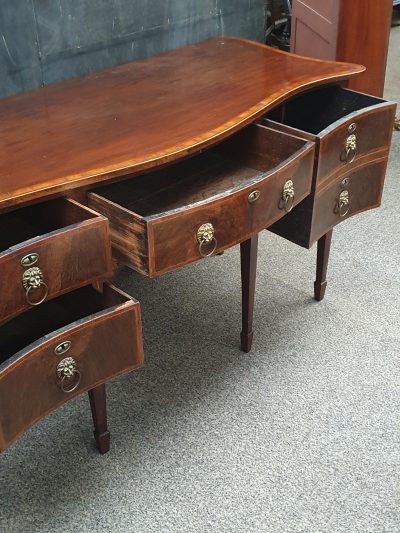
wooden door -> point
(364, 30)
(353, 31)
(315, 28)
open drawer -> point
(169, 218)
(62, 348)
(357, 191)
(49, 249)
(349, 128)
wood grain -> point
(364, 29)
(207, 188)
(106, 342)
(144, 114)
(346, 30)
(365, 186)
(334, 110)
(73, 245)
(314, 217)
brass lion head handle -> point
(68, 375)
(32, 281)
(349, 153)
(287, 200)
(205, 237)
(342, 206)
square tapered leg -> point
(248, 260)
(324, 246)
(98, 405)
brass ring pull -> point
(343, 204)
(67, 371)
(32, 279)
(42, 299)
(350, 151)
(343, 210)
(205, 235)
(350, 155)
(205, 254)
(287, 200)
(73, 386)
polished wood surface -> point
(73, 248)
(153, 227)
(144, 114)
(334, 110)
(364, 186)
(78, 139)
(106, 341)
(319, 212)
(338, 112)
(373, 135)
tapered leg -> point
(98, 405)
(248, 261)
(324, 246)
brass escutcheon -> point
(287, 200)
(254, 196)
(67, 371)
(29, 260)
(205, 235)
(62, 348)
(343, 204)
(344, 182)
(32, 279)
(352, 127)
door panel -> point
(315, 28)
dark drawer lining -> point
(40, 321)
(235, 163)
(316, 110)
(34, 221)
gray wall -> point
(42, 41)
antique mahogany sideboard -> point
(163, 161)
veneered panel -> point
(144, 114)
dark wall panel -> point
(42, 41)
(19, 61)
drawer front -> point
(174, 241)
(351, 142)
(357, 191)
(54, 263)
(102, 347)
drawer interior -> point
(316, 110)
(54, 315)
(36, 220)
(233, 164)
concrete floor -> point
(301, 435)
